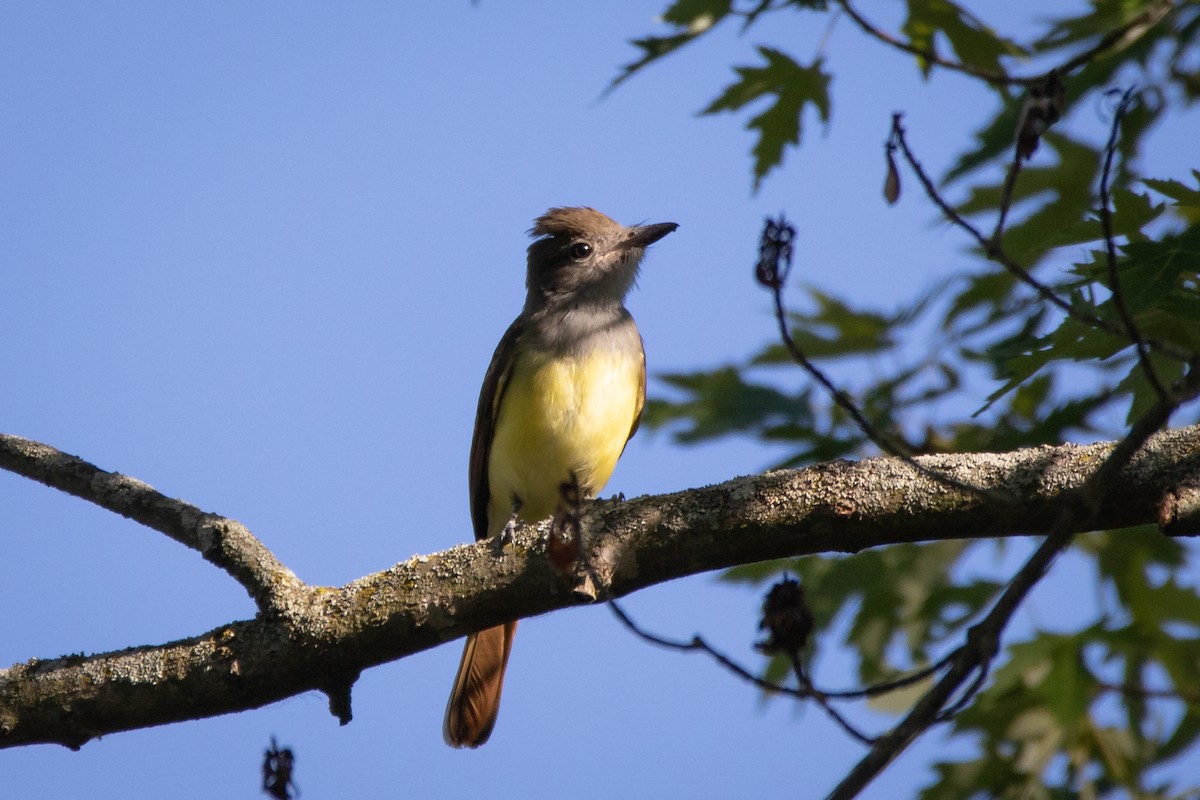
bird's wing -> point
(495, 381)
(641, 395)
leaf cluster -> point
(984, 363)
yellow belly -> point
(558, 419)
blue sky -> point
(259, 254)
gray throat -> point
(578, 329)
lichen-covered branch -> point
(321, 638)
(221, 541)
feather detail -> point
(475, 699)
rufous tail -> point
(475, 698)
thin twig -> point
(1010, 183)
(697, 644)
(991, 247)
(885, 687)
(809, 689)
(993, 250)
(1126, 33)
(806, 690)
(823, 701)
(991, 76)
(1110, 249)
(775, 254)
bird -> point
(561, 398)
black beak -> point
(646, 235)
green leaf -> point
(973, 43)
(722, 402)
(833, 329)
(1073, 34)
(1119, 551)
(1104, 16)
(653, 48)
(1153, 270)
(976, 778)
(1160, 285)
(698, 14)
(1137, 384)
(1177, 190)
(1186, 198)
(694, 17)
(985, 290)
(1132, 212)
(906, 597)
(996, 138)
(759, 572)
(1068, 686)
(1185, 734)
(793, 86)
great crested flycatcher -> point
(562, 396)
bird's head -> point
(582, 257)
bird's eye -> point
(580, 251)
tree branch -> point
(329, 635)
(223, 542)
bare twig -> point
(697, 644)
(822, 700)
(991, 247)
(885, 687)
(774, 264)
(805, 691)
(1010, 183)
(1110, 249)
(223, 542)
